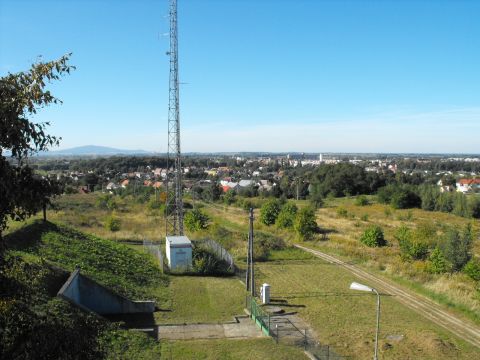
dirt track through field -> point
(422, 305)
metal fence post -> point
(276, 330)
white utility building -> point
(179, 252)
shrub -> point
(373, 236)
(362, 201)
(269, 212)
(457, 247)
(364, 217)
(387, 212)
(342, 212)
(112, 223)
(437, 262)
(206, 263)
(196, 220)
(264, 243)
(411, 246)
(229, 197)
(286, 217)
(474, 207)
(316, 200)
(305, 223)
(472, 269)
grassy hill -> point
(38, 260)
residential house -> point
(468, 185)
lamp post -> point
(361, 287)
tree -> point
(269, 212)
(287, 214)
(472, 269)
(229, 197)
(474, 206)
(305, 223)
(22, 94)
(457, 247)
(373, 236)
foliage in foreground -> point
(22, 193)
(34, 324)
(114, 265)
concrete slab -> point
(243, 328)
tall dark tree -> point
(22, 94)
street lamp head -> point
(360, 287)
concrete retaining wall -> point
(89, 295)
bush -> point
(286, 217)
(472, 269)
(229, 197)
(112, 223)
(410, 246)
(196, 220)
(474, 206)
(342, 212)
(263, 243)
(437, 262)
(364, 217)
(362, 201)
(269, 212)
(206, 263)
(305, 223)
(316, 200)
(373, 236)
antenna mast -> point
(174, 202)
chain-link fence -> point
(150, 248)
(219, 252)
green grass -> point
(37, 263)
(230, 350)
(195, 299)
(345, 319)
(129, 272)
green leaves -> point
(373, 236)
(21, 95)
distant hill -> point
(89, 150)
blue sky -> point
(264, 75)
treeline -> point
(439, 165)
(126, 164)
(429, 197)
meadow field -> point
(316, 290)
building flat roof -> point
(178, 241)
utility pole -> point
(250, 239)
(249, 260)
(174, 201)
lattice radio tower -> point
(174, 202)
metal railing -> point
(261, 318)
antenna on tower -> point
(174, 201)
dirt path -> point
(424, 306)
